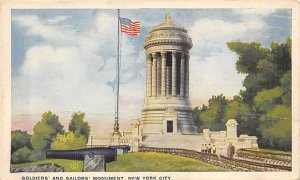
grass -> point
(152, 161)
(269, 150)
(138, 161)
(69, 165)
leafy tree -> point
(263, 67)
(267, 90)
(195, 115)
(21, 155)
(68, 141)
(19, 139)
(236, 108)
(266, 100)
(208, 118)
(211, 116)
(281, 55)
(267, 73)
(263, 108)
(249, 55)
(78, 126)
(276, 128)
(43, 134)
(240, 111)
(286, 88)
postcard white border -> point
(5, 80)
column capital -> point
(174, 53)
(154, 55)
(148, 55)
(163, 54)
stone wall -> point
(221, 139)
(50, 167)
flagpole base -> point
(116, 130)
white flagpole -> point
(116, 125)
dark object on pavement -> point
(110, 154)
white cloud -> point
(72, 70)
(58, 19)
(248, 12)
(34, 27)
(69, 71)
(212, 34)
(213, 76)
(214, 64)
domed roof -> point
(168, 33)
(168, 24)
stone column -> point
(174, 70)
(187, 74)
(169, 80)
(182, 74)
(163, 73)
(158, 78)
(154, 71)
(149, 75)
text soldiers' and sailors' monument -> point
(167, 108)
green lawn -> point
(152, 161)
(138, 161)
(69, 165)
(269, 150)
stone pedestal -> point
(94, 163)
(231, 129)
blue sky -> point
(64, 60)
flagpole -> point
(116, 125)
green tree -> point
(212, 116)
(19, 139)
(266, 100)
(43, 134)
(286, 88)
(78, 126)
(263, 67)
(240, 111)
(68, 141)
(208, 118)
(195, 115)
(21, 155)
(267, 91)
(276, 128)
(281, 55)
(249, 55)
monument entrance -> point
(169, 126)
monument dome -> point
(168, 33)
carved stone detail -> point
(170, 111)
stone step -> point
(174, 141)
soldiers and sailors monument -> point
(166, 119)
(167, 88)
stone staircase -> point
(181, 141)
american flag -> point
(129, 27)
